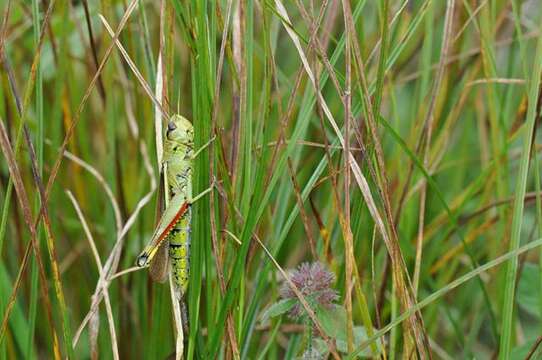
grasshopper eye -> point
(171, 126)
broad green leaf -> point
(278, 308)
(333, 322)
(360, 335)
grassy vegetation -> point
(391, 144)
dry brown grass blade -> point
(93, 47)
(27, 214)
(112, 262)
(92, 84)
(312, 144)
(50, 241)
(346, 230)
(94, 321)
(93, 330)
(321, 51)
(44, 210)
(10, 155)
(4, 31)
(107, 189)
(383, 186)
(333, 174)
(496, 81)
(161, 95)
(159, 144)
(158, 105)
(471, 18)
(22, 107)
(318, 47)
(110, 266)
(534, 348)
(230, 329)
(428, 126)
(13, 296)
(302, 212)
(124, 272)
(400, 274)
(348, 238)
(293, 96)
(393, 20)
(237, 60)
(415, 322)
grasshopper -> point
(169, 246)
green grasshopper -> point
(171, 238)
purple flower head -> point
(314, 281)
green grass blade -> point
(517, 217)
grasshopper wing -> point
(176, 208)
(158, 268)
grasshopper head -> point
(180, 130)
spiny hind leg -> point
(194, 155)
(203, 193)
